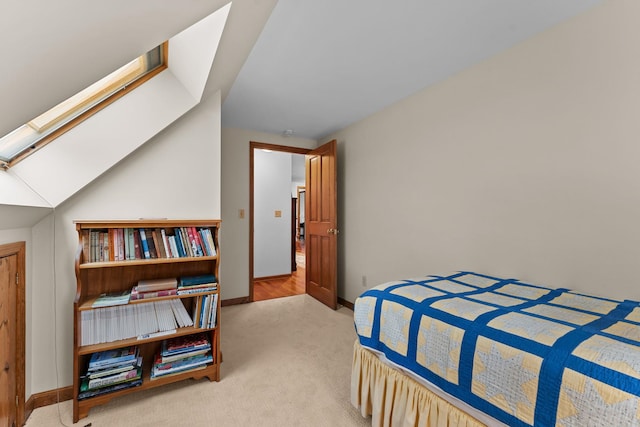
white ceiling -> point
(319, 66)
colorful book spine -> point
(209, 237)
(137, 244)
(165, 242)
(185, 242)
(178, 239)
(145, 246)
(131, 243)
(112, 244)
(121, 244)
(157, 242)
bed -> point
(467, 349)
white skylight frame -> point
(31, 136)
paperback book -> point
(112, 298)
(111, 358)
(110, 371)
(185, 344)
(156, 284)
(133, 373)
(180, 365)
(110, 389)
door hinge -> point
(17, 279)
(16, 400)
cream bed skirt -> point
(394, 399)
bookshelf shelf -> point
(99, 271)
(89, 349)
(133, 263)
(88, 304)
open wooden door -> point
(321, 225)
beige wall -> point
(234, 266)
(523, 166)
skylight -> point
(49, 125)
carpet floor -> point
(287, 362)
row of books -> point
(111, 370)
(181, 354)
(142, 320)
(121, 244)
(155, 288)
(205, 310)
(146, 320)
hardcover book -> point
(137, 295)
(145, 245)
(157, 284)
(137, 244)
(178, 238)
(152, 246)
(196, 280)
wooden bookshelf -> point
(96, 276)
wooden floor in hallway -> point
(282, 287)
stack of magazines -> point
(197, 284)
(155, 288)
(182, 354)
(111, 370)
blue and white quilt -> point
(524, 354)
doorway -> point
(277, 246)
(12, 333)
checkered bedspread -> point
(521, 353)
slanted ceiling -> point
(56, 48)
(54, 58)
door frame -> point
(254, 145)
(19, 249)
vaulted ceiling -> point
(319, 66)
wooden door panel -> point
(321, 224)
(8, 324)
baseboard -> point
(276, 277)
(345, 303)
(245, 300)
(47, 398)
(234, 301)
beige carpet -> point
(287, 362)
